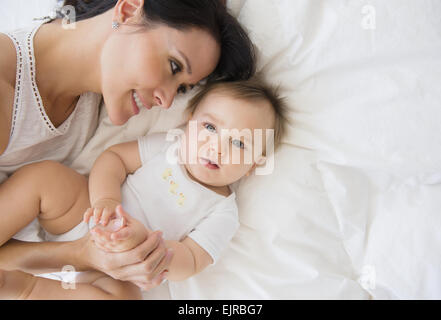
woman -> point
(135, 54)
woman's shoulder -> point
(8, 67)
(8, 59)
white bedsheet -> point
(352, 210)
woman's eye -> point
(238, 144)
(209, 127)
(175, 68)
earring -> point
(115, 25)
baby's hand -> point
(102, 211)
(121, 234)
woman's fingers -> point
(145, 280)
(136, 255)
(146, 286)
(116, 264)
(141, 272)
(144, 266)
(101, 234)
(102, 246)
(102, 243)
(163, 265)
(139, 253)
(153, 260)
(121, 234)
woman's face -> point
(142, 68)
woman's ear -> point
(128, 11)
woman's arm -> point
(37, 257)
(134, 265)
(189, 257)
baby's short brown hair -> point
(253, 89)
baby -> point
(178, 183)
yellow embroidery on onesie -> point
(173, 187)
(181, 199)
(167, 173)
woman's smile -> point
(138, 103)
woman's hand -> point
(121, 234)
(145, 265)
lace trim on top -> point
(18, 81)
(30, 48)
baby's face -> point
(224, 130)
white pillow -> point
(362, 82)
(390, 227)
(367, 102)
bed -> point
(353, 207)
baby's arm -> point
(106, 177)
(189, 259)
(113, 232)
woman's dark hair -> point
(237, 61)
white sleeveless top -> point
(33, 137)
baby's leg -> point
(18, 285)
(54, 193)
